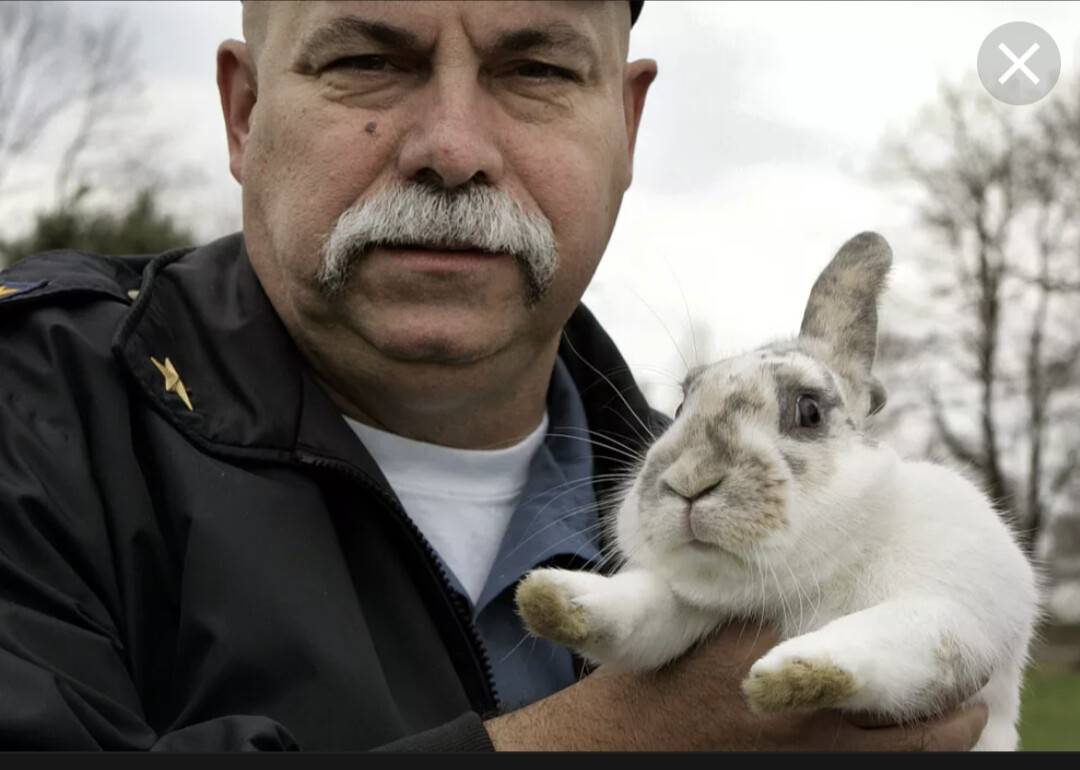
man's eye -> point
(541, 71)
(368, 63)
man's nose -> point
(452, 137)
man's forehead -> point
(601, 19)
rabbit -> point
(897, 588)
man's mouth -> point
(443, 246)
(441, 257)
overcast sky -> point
(752, 161)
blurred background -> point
(774, 132)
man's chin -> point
(444, 330)
(442, 352)
(445, 344)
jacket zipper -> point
(458, 604)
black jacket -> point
(239, 576)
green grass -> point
(1050, 709)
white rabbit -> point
(897, 588)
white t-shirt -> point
(461, 499)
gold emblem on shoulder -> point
(172, 381)
(13, 288)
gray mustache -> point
(424, 215)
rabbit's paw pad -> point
(794, 684)
(548, 611)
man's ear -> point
(639, 76)
(238, 87)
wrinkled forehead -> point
(288, 27)
(754, 379)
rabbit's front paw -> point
(787, 681)
(546, 602)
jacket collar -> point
(253, 395)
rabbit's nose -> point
(692, 475)
(691, 489)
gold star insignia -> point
(172, 381)
(15, 289)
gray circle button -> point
(1019, 63)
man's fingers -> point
(868, 719)
(749, 638)
(956, 731)
(968, 726)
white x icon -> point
(1018, 64)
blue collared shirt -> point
(555, 515)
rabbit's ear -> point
(842, 309)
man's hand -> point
(697, 704)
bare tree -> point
(1052, 161)
(1000, 196)
(50, 64)
(971, 202)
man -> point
(275, 492)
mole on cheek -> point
(370, 127)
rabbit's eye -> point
(807, 412)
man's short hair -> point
(635, 9)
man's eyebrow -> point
(348, 29)
(555, 36)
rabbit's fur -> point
(897, 588)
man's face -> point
(533, 101)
